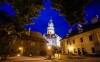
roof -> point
(34, 36)
(51, 35)
(85, 29)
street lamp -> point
(49, 52)
(71, 48)
(18, 54)
(49, 47)
(20, 48)
(20, 51)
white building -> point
(51, 37)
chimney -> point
(94, 19)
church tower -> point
(50, 29)
(51, 37)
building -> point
(28, 45)
(81, 43)
(51, 37)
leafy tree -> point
(25, 9)
(13, 26)
(72, 9)
(5, 27)
(10, 27)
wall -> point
(86, 44)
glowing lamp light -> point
(71, 48)
(30, 54)
(18, 55)
(20, 48)
(49, 47)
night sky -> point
(60, 24)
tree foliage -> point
(72, 9)
(25, 9)
(13, 26)
(10, 25)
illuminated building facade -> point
(86, 42)
(51, 37)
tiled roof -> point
(34, 36)
(51, 35)
(85, 29)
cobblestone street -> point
(79, 60)
(43, 59)
(27, 59)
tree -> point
(10, 27)
(13, 26)
(25, 9)
(72, 9)
(5, 27)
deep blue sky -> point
(60, 24)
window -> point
(53, 41)
(67, 42)
(93, 50)
(12, 50)
(90, 38)
(73, 41)
(81, 39)
(32, 43)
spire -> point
(50, 29)
(50, 22)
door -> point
(83, 51)
(79, 52)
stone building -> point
(31, 45)
(86, 42)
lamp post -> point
(20, 51)
(49, 52)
